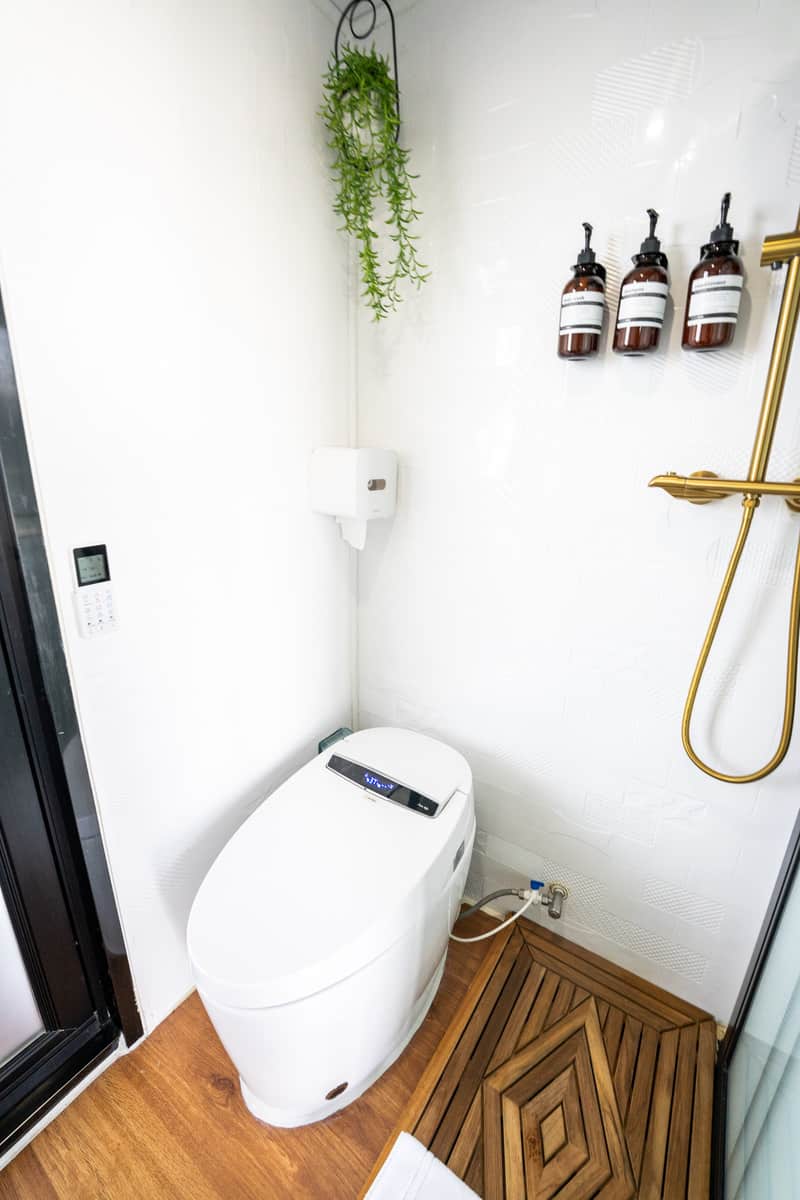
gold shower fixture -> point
(704, 486)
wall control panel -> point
(380, 785)
(92, 595)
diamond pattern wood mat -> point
(564, 1077)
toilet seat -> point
(324, 877)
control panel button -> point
(94, 609)
(422, 804)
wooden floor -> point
(168, 1121)
(564, 1076)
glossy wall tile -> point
(168, 254)
(532, 602)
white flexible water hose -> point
(532, 898)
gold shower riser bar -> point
(704, 486)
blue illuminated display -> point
(398, 793)
(384, 786)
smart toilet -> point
(318, 938)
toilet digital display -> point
(381, 785)
(376, 783)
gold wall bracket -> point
(704, 486)
(793, 502)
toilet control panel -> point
(381, 785)
(92, 596)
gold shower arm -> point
(779, 248)
(704, 486)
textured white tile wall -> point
(532, 602)
(177, 295)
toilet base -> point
(286, 1119)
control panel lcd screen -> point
(91, 565)
(398, 793)
(377, 783)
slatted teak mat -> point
(564, 1077)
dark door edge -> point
(39, 643)
(80, 1052)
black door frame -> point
(789, 871)
(36, 888)
(34, 655)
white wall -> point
(177, 297)
(532, 602)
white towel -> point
(412, 1173)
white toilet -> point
(318, 938)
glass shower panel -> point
(763, 1103)
(19, 1014)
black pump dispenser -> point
(722, 236)
(582, 313)
(650, 250)
(715, 289)
(643, 298)
(586, 257)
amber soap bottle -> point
(582, 305)
(715, 289)
(643, 298)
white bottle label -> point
(643, 303)
(581, 312)
(715, 300)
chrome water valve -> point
(552, 898)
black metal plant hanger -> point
(349, 15)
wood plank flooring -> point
(168, 1120)
(565, 1076)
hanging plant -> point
(360, 111)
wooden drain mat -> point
(564, 1077)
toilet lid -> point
(325, 876)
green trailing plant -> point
(360, 112)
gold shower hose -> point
(776, 250)
(750, 504)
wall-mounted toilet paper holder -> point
(354, 486)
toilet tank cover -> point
(325, 876)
